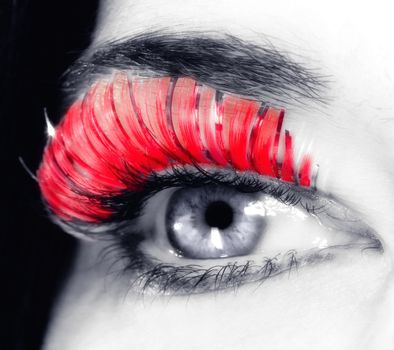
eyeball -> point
(211, 222)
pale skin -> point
(346, 303)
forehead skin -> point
(349, 42)
(339, 305)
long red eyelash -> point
(124, 129)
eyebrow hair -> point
(222, 61)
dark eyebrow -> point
(222, 61)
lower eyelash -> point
(149, 276)
(163, 278)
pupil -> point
(219, 214)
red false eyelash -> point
(124, 129)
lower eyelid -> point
(150, 276)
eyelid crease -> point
(94, 158)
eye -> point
(257, 225)
(217, 222)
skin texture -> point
(347, 303)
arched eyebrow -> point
(222, 61)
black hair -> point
(38, 41)
(219, 60)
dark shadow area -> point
(38, 40)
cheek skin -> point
(315, 307)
